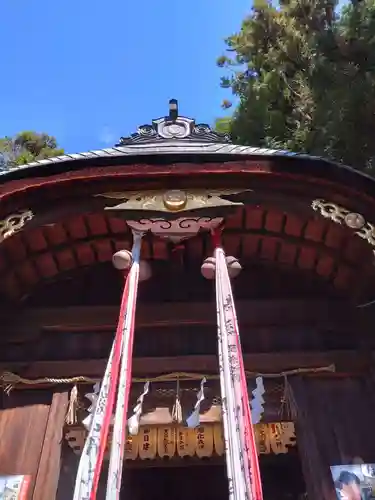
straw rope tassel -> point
(177, 408)
(71, 414)
(119, 429)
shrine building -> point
(299, 239)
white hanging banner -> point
(90, 458)
(241, 455)
(133, 422)
(193, 420)
(257, 402)
(90, 464)
(93, 397)
(119, 428)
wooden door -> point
(31, 425)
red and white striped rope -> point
(241, 455)
(89, 469)
(120, 424)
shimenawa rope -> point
(10, 380)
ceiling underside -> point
(71, 228)
(312, 245)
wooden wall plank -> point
(23, 423)
(50, 461)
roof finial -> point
(173, 127)
(173, 110)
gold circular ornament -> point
(175, 200)
(355, 221)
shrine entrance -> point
(166, 458)
(178, 481)
(282, 479)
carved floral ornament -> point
(343, 216)
(14, 223)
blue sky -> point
(91, 71)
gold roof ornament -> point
(175, 214)
(174, 200)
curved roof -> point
(172, 150)
(285, 215)
(176, 138)
(174, 147)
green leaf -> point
(27, 147)
(304, 75)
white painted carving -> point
(178, 229)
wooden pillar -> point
(50, 460)
(31, 425)
(333, 419)
(68, 473)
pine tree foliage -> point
(304, 76)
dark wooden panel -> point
(23, 324)
(327, 414)
(184, 340)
